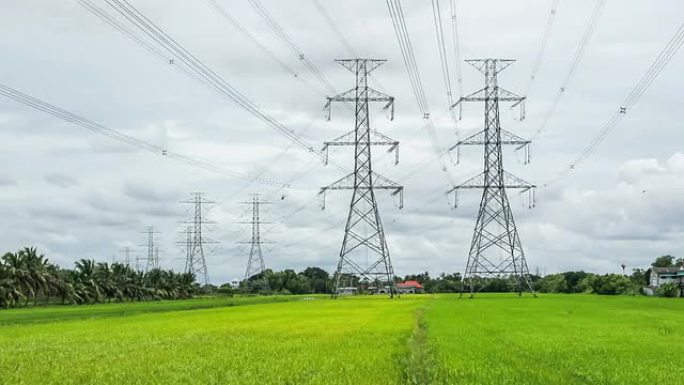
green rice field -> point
(417, 339)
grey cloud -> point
(61, 180)
(7, 181)
(623, 203)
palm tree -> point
(106, 281)
(9, 292)
(84, 281)
(36, 268)
(22, 280)
(27, 275)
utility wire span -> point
(394, 7)
(333, 26)
(282, 35)
(236, 24)
(631, 100)
(406, 48)
(539, 57)
(130, 140)
(457, 49)
(329, 20)
(579, 53)
(131, 34)
(181, 56)
(439, 31)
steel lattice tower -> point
(496, 250)
(127, 255)
(363, 231)
(152, 260)
(255, 263)
(195, 261)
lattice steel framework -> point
(363, 231)
(255, 263)
(127, 255)
(152, 258)
(496, 250)
(195, 239)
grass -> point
(61, 313)
(558, 339)
(493, 339)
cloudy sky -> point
(75, 194)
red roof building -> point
(414, 284)
(409, 287)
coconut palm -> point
(27, 275)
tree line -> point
(28, 278)
(317, 280)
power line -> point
(130, 140)
(406, 48)
(457, 49)
(396, 13)
(332, 25)
(198, 68)
(236, 24)
(663, 58)
(579, 53)
(282, 35)
(539, 57)
(437, 16)
(116, 24)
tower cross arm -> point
(500, 94)
(349, 139)
(509, 181)
(351, 96)
(479, 138)
(354, 64)
(379, 183)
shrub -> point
(670, 289)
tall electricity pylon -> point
(363, 232)
(255, 263)
(127, 255)
(152, 259)
(195, 261)
(496, 250)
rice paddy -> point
(418, 339)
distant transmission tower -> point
(255, 264)
(495, 250)
(363, 233)
(152, 259)
(195, 261)
(127, 255)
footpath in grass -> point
(556, 339)
(319, 341)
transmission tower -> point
(152, 259)
(195, 241)
(496, 250)
(364, 257)
(127, 255)
(255, 264)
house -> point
(409, 287)
(346, 291)
(235, 283)
(662, 275)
